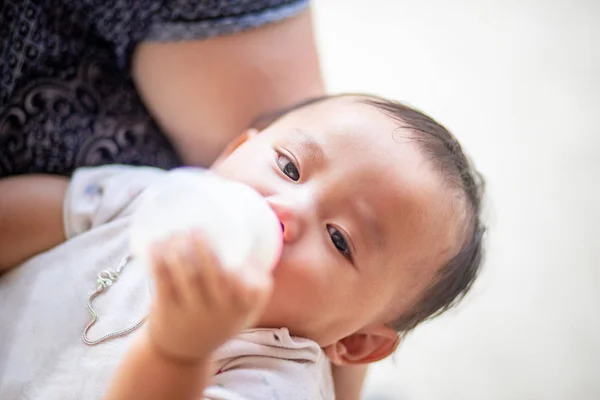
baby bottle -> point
(237, 222)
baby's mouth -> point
(281, 244)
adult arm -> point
(31, 217)
(38, 212)
(204, 93)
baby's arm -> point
(198, 307)
(30, 216)
(147, 374)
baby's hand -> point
(199, 305)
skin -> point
(29, 226)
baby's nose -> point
(290, 217)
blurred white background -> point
(519, 83)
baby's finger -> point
(177, 257)
(252, 290)
(210, 286)
(163, 281)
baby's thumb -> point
(258, 288)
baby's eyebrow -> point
(371, 223)
(310, 147)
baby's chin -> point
(273, 317)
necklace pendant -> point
(106, 278)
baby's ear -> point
(369, 345)
(237, 142)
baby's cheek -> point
(301, 280)
(307, 271)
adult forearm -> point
(30, 216)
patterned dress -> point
(66, 95)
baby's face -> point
(365, 218)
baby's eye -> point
(288, 167)
(339, 241)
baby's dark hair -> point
(454, 279)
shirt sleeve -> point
(98, 195)
(194, 20)
(124, 24)
(267, 378)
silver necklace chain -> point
(105, 280)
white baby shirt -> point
(43, 312)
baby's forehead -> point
(347, 124)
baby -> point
(380, 215)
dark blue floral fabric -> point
(66, 96)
